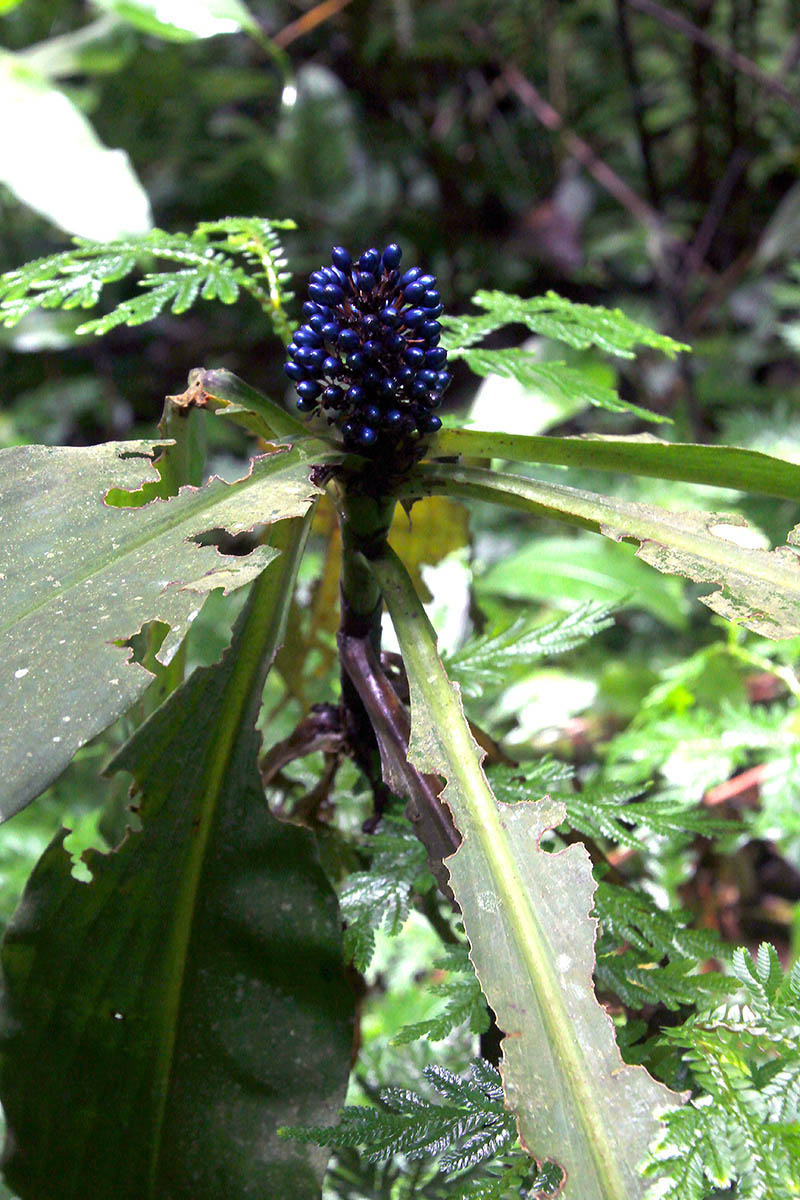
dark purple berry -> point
(370, 261)
(367, 435)
(294, 370)
(436, 357)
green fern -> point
(464, 1002)
(469, 1128)
(208, 270)
(483, 663)
(648, 956)
(380, 898)
(579, 326)
(745, 1128)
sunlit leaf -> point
(72, 179)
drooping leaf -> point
(162, 1021)
(526, 914)
(717, 466)
(758, 588)
(80, 575)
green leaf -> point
(72, 179)
(182, 20)
(717, 466)
(162, 1021)
(758, 588)
(579, 325)
(579, 570)
(526, 915)
(80, 576)
(555, 379)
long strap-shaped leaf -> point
(160, 1023)
(78, 576)
(526, 914)
(718, 466)
(759, 588)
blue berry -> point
(414, 292)
(370, 339)
(370, 261)
(349, 340)
(443, 380)
(307, 337)
(391, 256)
(333, 294)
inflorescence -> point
(368, 356)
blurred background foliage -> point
(625, 152)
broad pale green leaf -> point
(182, 20)
(758, 588)
(718, 466)
(78, 576)
(526, 914)
(566, 571)
(71, 178)
(161, 1022)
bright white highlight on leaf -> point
(289, 95)
(52, 160)
(200, 18)
(21, 673)
(741, 535)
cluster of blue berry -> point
(368, 356)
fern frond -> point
(208, 271)
(464, 1002)
(380, 898)
(484, 662)
(578, 325)
(746, 1128)
(470, 1129)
